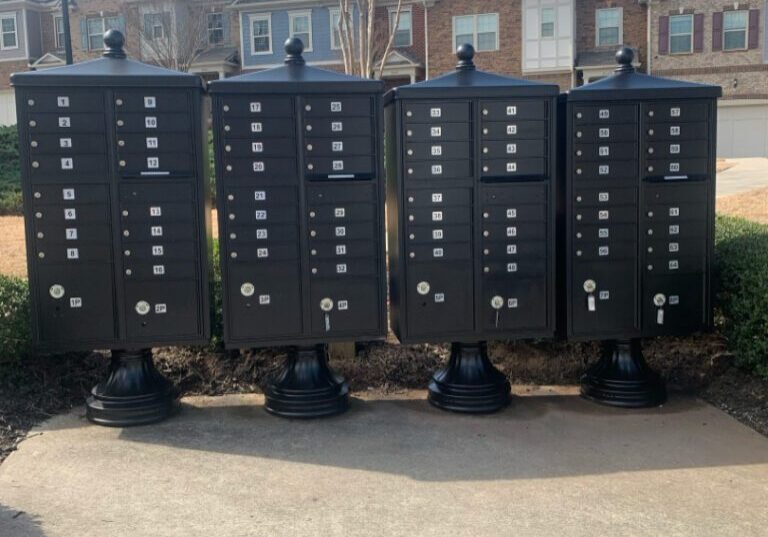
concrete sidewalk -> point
(547, 466)
(746, 174)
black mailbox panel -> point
(640, 190)
(471, 208)
(302, 213)
(115, 187)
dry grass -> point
(13, 259)
(752, 205)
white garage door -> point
(742, 129)
(7, 108)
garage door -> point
(7, 108)
(742, 129)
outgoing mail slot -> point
(153, 143)
(452, 169)
(60, 101)
(257, 128)
(75, 252)
(515, 213)
(436, 112)
(152, 122)
(675, 111)
(438, 215)
(66, 122)
(437, 131)
(135, 269)
(75, 167)
(355, 305)
(67, 144)
(609, 113)
(150, 163)
(598, 197)
(436, 151)
(676, 167)
(160, 213)
(339, 192)
(604, 152)
(68, 194)
(514, 194)
(523, 304)
(674, 193)
(330, 147)
(499, 110)
(346, 268)
(141, 192)
(513, 167)
(432, 307)
(676, 131)
(513, 130)
(345, 107)
(150, 101)
(173, 251)
(517, 149)
(261, 196)
(338, 126)
(338, 166)
(85, 309)
(341, 213)
(240, 106)
(65, 214)
(172, 307)
(437, 197)
(265, 300)
(342, 249)
(438, 234)
(615, 170)
(448, 251)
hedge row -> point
(741, 292)
(10, 172)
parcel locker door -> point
(439, 298)
(611, 308)
(264, 301)
(514, 304)
(339, 307)
(157, 309)
(673, 304)
(76, 302)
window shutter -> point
(225, 25)
(717, 31)
(147, 26)
(664, 35)
(754, 28)
(698, 32)
(84, 33)
(167, 30)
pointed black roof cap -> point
(626, 83)
(112, 69)
(467, 81)
(295, 76)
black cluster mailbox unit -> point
(114, 182)
(301, 203)
(640, 190)
(471, 221)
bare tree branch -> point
(392, 33)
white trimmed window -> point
(404, 32)
(609, 26)
(215, 28)
(96, 26)
(300, 25)
(681, 34)
(735, 30)
(154, 25)
(261, 34)
(58, 27)
(9, 38)
(481, 31)
(548, 17)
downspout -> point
(426, 41)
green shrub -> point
(15, 339)
(10, 171)
(741, 276)
(211, 168)
(217, 321)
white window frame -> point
(553, 9)
(693, 22)
(746, 30)
(103, 19)
(294, 15)
(597, 26)
(260, 17)
(209, 29)
(160, 15)
(392, 14)
(15, 32)
(474, 30)
(58, 43)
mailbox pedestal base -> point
(622, 378)
(470, 383)
(135, 393)
(307, 387)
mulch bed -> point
(46, 385)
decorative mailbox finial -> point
(624, 58)
(293, 49)
(465, 53)
(113, 44)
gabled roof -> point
(48, 60)
(219, 55)
(626, 83)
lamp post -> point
(67, 33)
